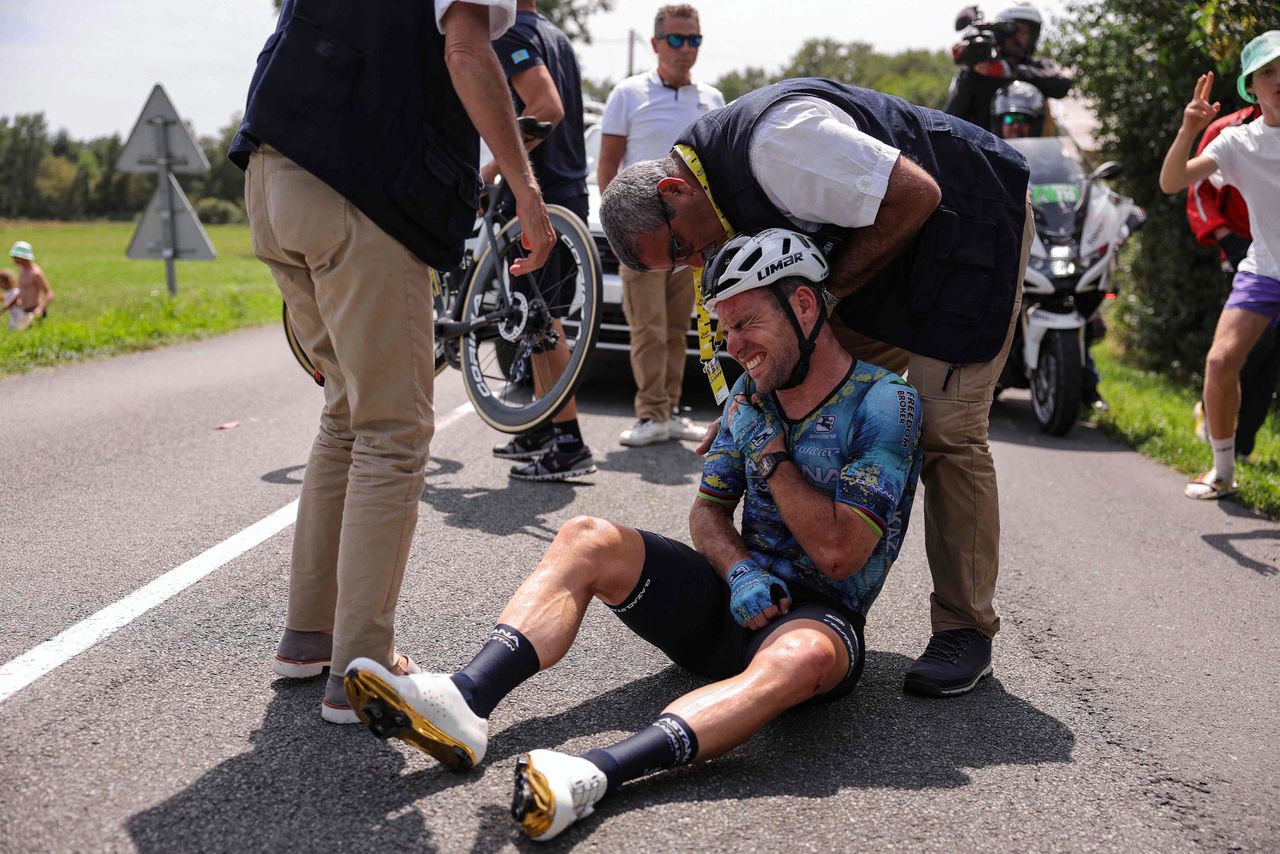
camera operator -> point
(992, 54)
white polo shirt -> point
(650, 114)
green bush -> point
(219, 212)
(1137, 61)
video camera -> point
(980, 41)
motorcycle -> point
(1080, 225)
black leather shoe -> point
(952, 664)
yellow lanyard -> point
(708, 341)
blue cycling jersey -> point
(861, 447)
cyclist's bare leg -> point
(801, 660)
(588, 558)
(547, 368)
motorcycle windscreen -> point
(1057, 180)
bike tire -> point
(299, 352)
(509, 403)
(1056, 382)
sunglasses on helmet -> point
(677, 41)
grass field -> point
(1153, 415)
(105, 303)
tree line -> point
(46, 175)
(50, 175)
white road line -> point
(30, 666)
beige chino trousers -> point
(360, 303)
(658, 306)
(961, 501)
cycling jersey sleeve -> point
(883, 449)
(817, 167)
(724, 473)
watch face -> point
(767, 465)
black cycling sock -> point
(667, 743)
(506, 659)
(568, 436)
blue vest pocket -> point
(954, 265)
(310, 73)
(437, 192)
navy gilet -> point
(948, 295)
(358, 94)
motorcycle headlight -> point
(1062, 261)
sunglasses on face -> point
(679, 251)
(1016, 119)
(679, 41)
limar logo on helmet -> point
(778, 265)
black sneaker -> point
(557, 465)
(952, 664)
(526, 446)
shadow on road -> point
(290, 475)
(874, 738)
(307, 785)
(519, 508)
(671, 463)
(1012, 421)
(1226, 543)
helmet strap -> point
(806, 343)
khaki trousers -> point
(657, 306)
(961, 501)
(361, 306)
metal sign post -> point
(169, 228)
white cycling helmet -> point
(764, 259)
(759, 260)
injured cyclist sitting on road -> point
(825, 451)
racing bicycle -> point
(490, 325)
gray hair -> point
(631, 206)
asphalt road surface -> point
(1133, 707)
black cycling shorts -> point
(681, 606)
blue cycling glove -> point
(752, 590)
(753, 427)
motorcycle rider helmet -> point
(1019, 101)
(1024, 14)
(763, 260)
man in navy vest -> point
(926, 218)
(360, 151)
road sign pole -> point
(171, 230)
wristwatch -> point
(769, 463)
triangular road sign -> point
(151, 241)
(142, 153)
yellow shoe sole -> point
(381, 708)
(532, 805)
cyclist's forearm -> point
(482, 88)
(712, 532)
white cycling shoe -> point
(553, 790)
(426, 710)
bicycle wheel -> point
(439, 308)
(296, 347)
(497, 356)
